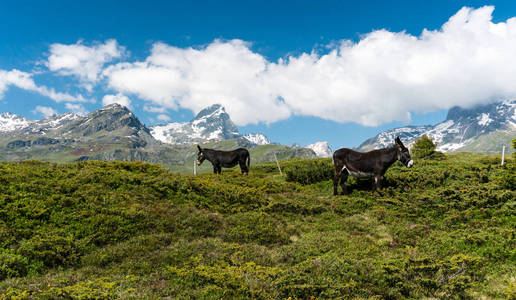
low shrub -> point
(257, 227)
(223, 280)
(99, 288)
(309, 171)
(51, 250)
(12, 264)
(423, 147)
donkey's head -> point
(403, 153)
(200, 156)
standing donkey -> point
(367, 164)
(226, 159)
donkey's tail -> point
(248, 160)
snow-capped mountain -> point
(106, 125)
(11, 122)
(256, 139)
(115, 133)
(210, 124)
(50, 124)
(321, 149)
(112, 120)
(461, 129)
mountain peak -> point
(210, 124)
(10, 122)
(215, 110)
(111, 118)
(321, 149)
(257, 139)
(114, 107)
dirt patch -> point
(84, 151)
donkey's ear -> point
(199, 147)
(399, 143)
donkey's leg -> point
(343, 179)
(377, 184)
(243, 167)
(378, 180)
(336, 177)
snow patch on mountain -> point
(11, 122)
(210, 124)
(484, 120)
(56, 121)
(321, 149)
(450, 147)
(257, 139)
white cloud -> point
(228, 73)
(119, 98)
(164, 118)
(381, 78)
(44, 110)
(24, 81)
(76, 108)
(154, 109)
(83, 61)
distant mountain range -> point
(115, 133)
(484, 128)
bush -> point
(51, 250)
(423, 147)
(99, 288)
(12, 264)
(222, 280)
(310, 171)
(256, 227)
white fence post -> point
(277, 164)
(503, 154)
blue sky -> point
(297, 71)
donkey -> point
(226, 159)
(369, 164)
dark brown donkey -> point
(226, 159)
(367, 164)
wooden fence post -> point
(277, 164)
(503, 154)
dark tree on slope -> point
(423, 147)
(514, 147)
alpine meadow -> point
(283, 150)
(443, 229)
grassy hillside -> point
(442, 229)
(177, 158)
(492, 142)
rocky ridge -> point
(461, 129)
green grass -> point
(492, 142)
(442, 229)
